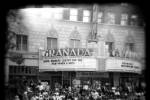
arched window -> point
(52, 38)
(129, 43)
(21, 42)
(75, 39)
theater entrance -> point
(59, 78)
(56, 81)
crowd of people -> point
(39, 91)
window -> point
(80, 15)
(86, 16)
(58, 14)
(100, 17)
(26, 69)
(129, 46)
(74, 43)
(73, 14)
(133, 20)
(141, 22)
(109, 48)
(110, 18)
(22, 70)
(18, 69)
(21, 42)
(11, 69)
(14, 69)
(66, 14)
(124, 19)
(51, 43)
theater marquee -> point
(123, 65)
(70, 59)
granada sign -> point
(67, 59)
(66, 52)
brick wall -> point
(37, 39)
(64, 29)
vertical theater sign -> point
(93, 33)
(71, 59)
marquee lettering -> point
(78, 51)
(52, 53)
(46, 53)
(86, 53)
(66, 52)
(72, 53)
(125, 54)
(58, 53)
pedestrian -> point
(33, 97)
(25, 95)
(17, 97)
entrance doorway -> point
(56, 81)
(66, 83)
(59, 78)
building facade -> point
(86, 43)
